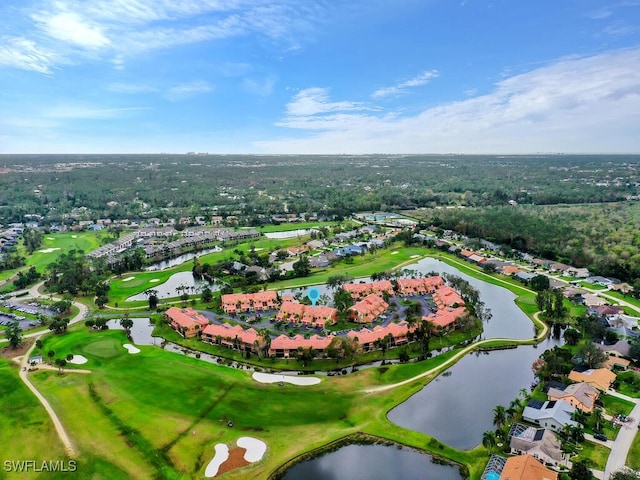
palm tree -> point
(489, 440)
(499, 416)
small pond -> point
(289, 234)
(372, 462)
(140, 332)
(177, 280)
(180, 259)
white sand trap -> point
(221, 456)
(414, 256)
(395, 253)
(74, 236)
(154, 280)
(254, 448)
(258, 249)
(48, 250)
(78, 360)
(50, 238)
(128, 279)
(271, 378)
(131, 348)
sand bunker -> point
(414, 256)
(74, 236)
(271, 378)
(249, 450)
(154, 280)
(50, 238)
(395, 253)
(131, 348)
(128, 279)
(222, 453)
(78, 360)
(48, 250)
(254, 448)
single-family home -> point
(186, 321)
(526, 467)
(580, 395)
(540, 443)
(600, 378)
(553, 414)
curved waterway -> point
(372, 462)
(457, 407)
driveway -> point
(626, 434)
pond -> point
(140, 332)
(372, 462)
(457, 407)
(508, 321)
(180, 259)
(289, 234)
(177, 280)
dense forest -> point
(602, 237)
(131, 186)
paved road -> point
(620, 450)
(24, 372)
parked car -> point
(600, 436)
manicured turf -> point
(26, 432)
(171, 409)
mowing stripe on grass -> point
(155, 457)
(191, 427)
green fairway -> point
(26, 432)
(161, 413)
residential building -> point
(186, 321)
(600, 378)
(361, 290)
(419, 286)
(287, 347)
(313, 316)
(526, 467)
(550, 414)
(249, 302)
(232, 336)
(367, 337)
(540, 443)
(368, 309)
(446, 318)
(580, 395)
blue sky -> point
(325, 76)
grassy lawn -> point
(633, 458)
(615, 405)
(629, 384)
(596, 454)
(160, 414)
(26, 432)
(287, 227)
(627, 298)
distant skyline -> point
(325, 76)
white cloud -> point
(25, 54)
(130, 88)
(312, 101)
(72, 28)
(402, 87)
(188, 90)
(117, 30)
(259, 87)
(81, 112)
(587, 104)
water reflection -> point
(372, 462)
(140, 332)
(174, 282)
